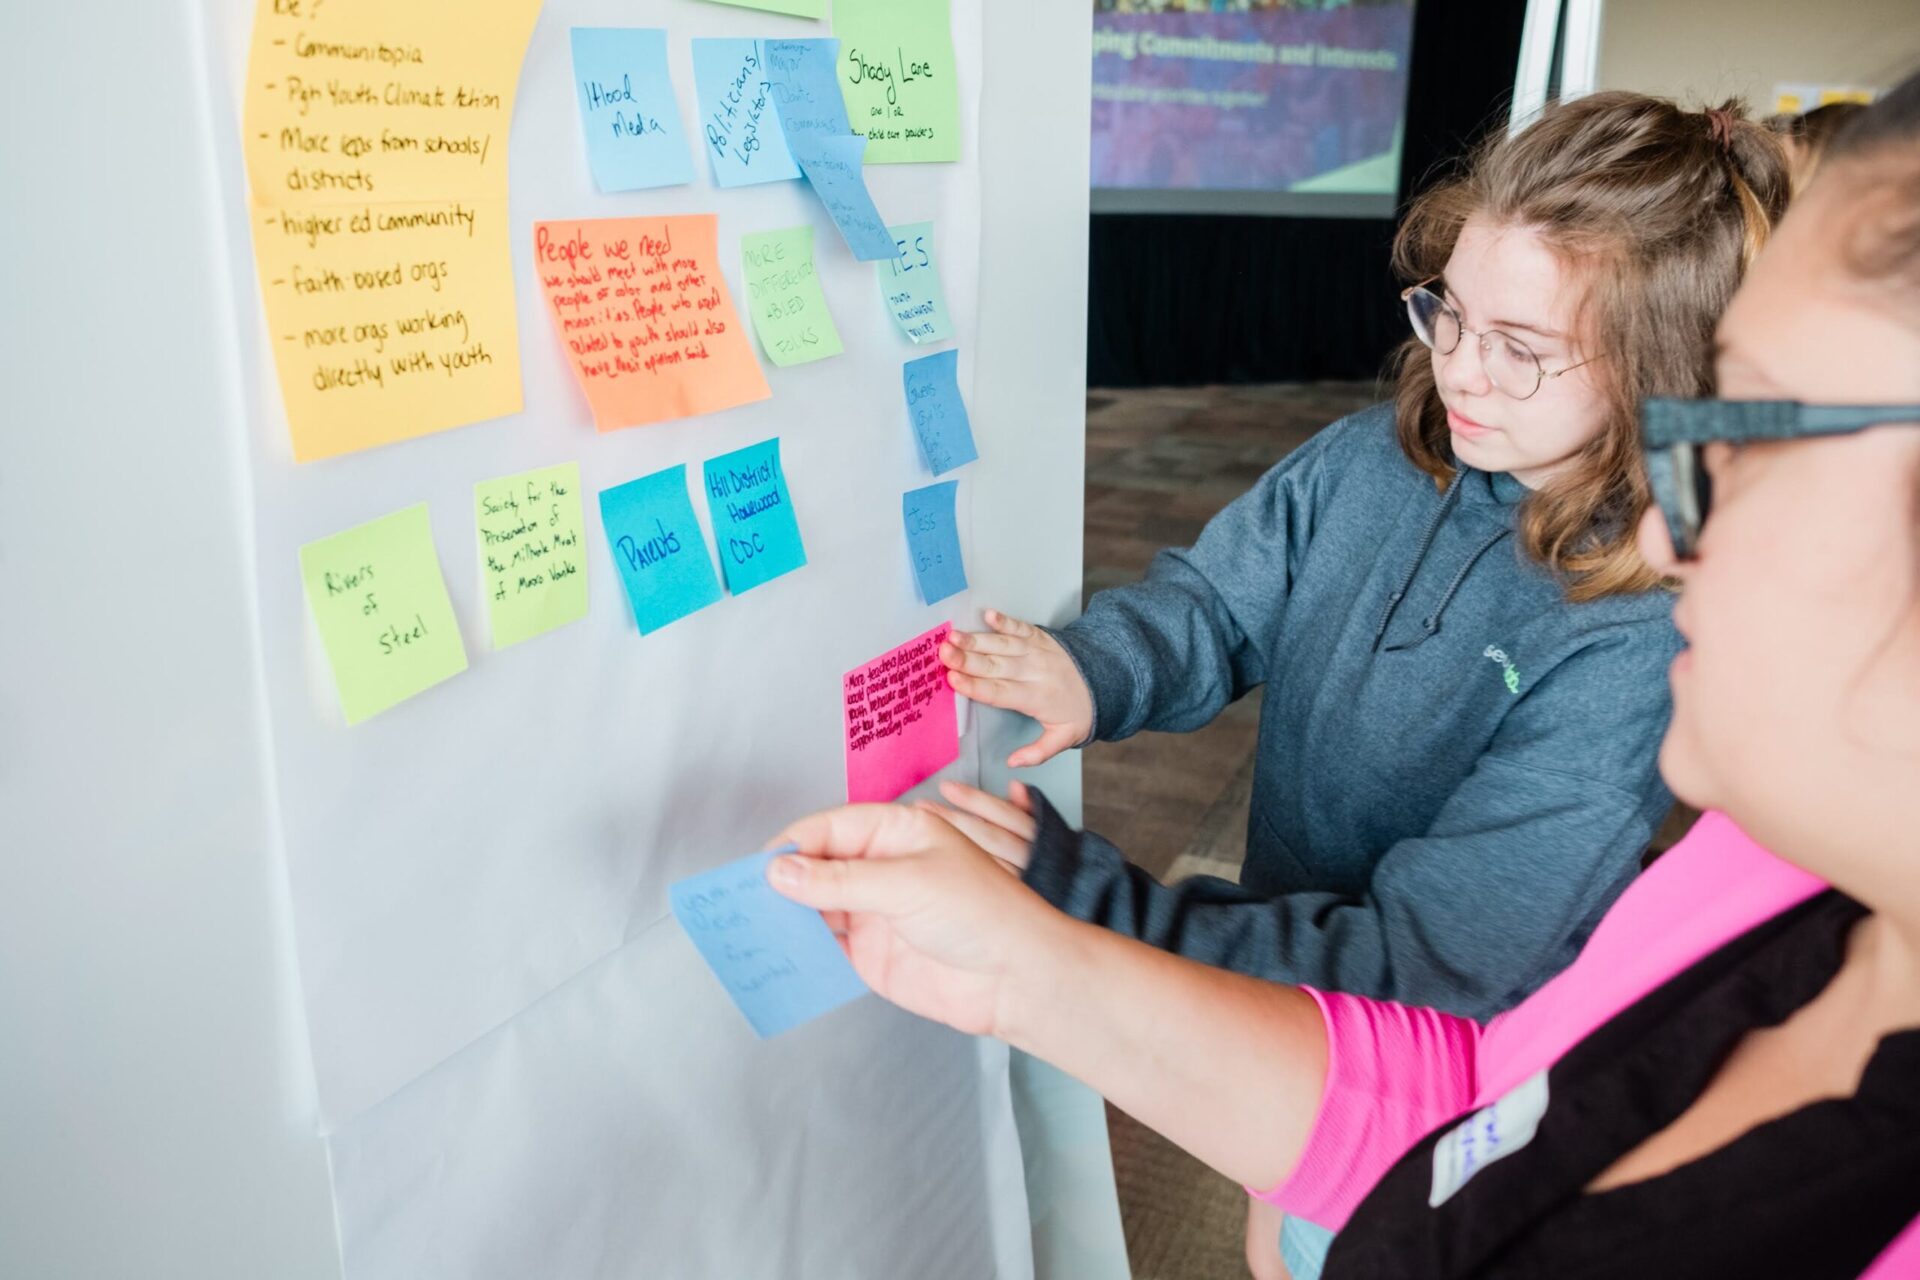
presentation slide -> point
(1249, 106)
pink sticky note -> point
(901, 727)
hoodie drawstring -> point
(1420, 556)
(1431, 623)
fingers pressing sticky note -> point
(937, 413)
(776, 958)
(381, 605)
(933, 541)
(643, 312)
(901, 724)
(754, 527)
(532, 551)
(910, 284)
(634, 138)
(783, 293)
(658, 548)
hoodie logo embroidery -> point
(1509, 672)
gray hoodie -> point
(1456, 767)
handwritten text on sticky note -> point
(532, 551)
(383, 612)
(783, 293)
(937, 413)
(738, 122)
(657, 548)
(910, 283)
(898, 77)
(900, 720)
(933, 541)
(754, 527)
(776, 958)
(632, 124)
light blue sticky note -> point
(933, 541)
(754, 527)
(627, 107)
(910, 284)
(806, 88)
(833, 167)
(938, 414)
(658, 548)
(776, 958)
(738, 123)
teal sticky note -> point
(776, 958)
(627, 108)
(738, 121)
(933, 541)
(938, 414)
(658, 548)
(833, 168)
(910, 285)
(806, 91)
(754, 527)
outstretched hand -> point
(1019, 667)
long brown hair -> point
(1659, 210)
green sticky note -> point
(382, 608)
(798, 8)
(783, 292)
(532, 551)
(897, 75)
(910, 285)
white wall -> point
(1703, 51)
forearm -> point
(1228, 1067)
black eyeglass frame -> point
(1674, 432)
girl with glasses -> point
(1727, 1080)
(1462, 651)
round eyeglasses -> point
(1511, 366)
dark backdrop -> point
(1181, 299)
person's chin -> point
(1682, 769)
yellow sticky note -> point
(381, 605)
(532, 551)
(375, 135)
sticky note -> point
(627, 108)
(658, 548)
(898, 78)
(832, 166)
(806, 89)
(754, 527)
(900, 720)
(798, 8)
(938, 414)
(910, 285)
(382, 608)
(738, 122)
(783, 293)
(933, 541)
(776, 958)
(379, 215)
(532, 551)
(642, 310)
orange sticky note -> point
(643, 312)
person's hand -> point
(927, 917)
(1018, 666)
(1004, 828)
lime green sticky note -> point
(783, 292)
(533, 561)
(382, 608)
(897, 76)
(798, 8)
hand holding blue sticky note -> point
(627, 107)
(738, 120)
(776, 958)
(754, 527)
(933, 541)
(938, 414)
(658, 548)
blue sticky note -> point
(738, 121)
(833, 167)
(658, 548)
(806, 88)
(933, 541)
(753, 523)
(910, 285)
(627, 107)
(938, 414)
(776, 958)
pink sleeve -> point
(1900, 1259)
(1394, 1073)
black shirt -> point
(1819, 1192)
